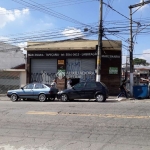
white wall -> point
(22, 78)
(10, 56)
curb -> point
(3, 95)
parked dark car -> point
(85, 90)
(37, 91)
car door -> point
(89, 90)
(27, 91)
(77, 91)
(38, 88)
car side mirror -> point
(22, 88)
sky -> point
(35, 20)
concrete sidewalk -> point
(3, 97)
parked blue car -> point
(37, 91)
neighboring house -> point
(11, 56)
(140, 71)
(12, 67)
(144, 71)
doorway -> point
(74, 81)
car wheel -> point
(100, 98)
(14, 97)
(42, 97)
(64, 97)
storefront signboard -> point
(113, 70)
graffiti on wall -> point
(43, 77)
(74, 70)
(73, 65)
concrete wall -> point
(22, 78)
(10, 56)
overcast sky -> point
(68, 18)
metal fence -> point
(9, 81)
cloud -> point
(72, 32)
(144, 6)
(8, 16)
(2, 38)
(146, 55)
(22, 46)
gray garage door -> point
(43, 70)
(81, 68)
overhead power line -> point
(48, 11)
(52, 5)
(119, 13)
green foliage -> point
(138, 61)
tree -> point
(138, 61)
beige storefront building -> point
(76, 59)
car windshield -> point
(48, 85)
(103, 84)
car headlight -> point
(60, 92)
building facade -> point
(12, 70)
(11, 56)
(76, 59)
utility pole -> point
(126, 71)
(131, 54)
(131, 43)
(100, 35)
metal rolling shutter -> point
(88, 69)
(43, 70)
(88, 64)
(81, 68)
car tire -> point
(100, 98)
(14, 97)
(64, 97)
(42, 97)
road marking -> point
(42, 113)
(87, 115)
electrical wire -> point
(50, 5)
(48, 11)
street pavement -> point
(79, 125)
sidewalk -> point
(3, 97)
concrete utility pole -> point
(100, 35)
(126, 71)
(131, 43)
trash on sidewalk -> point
(121, 99)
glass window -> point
(29, 86)
(39, 86)
(91, 85)
(79, 85)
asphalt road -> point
(77, 125)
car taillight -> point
(51, 92)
